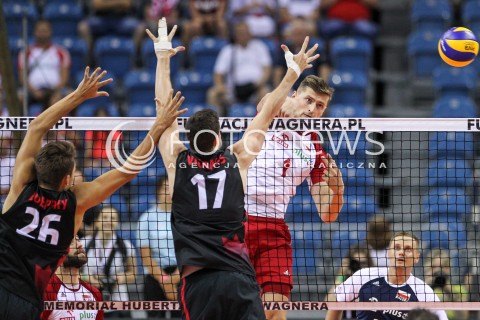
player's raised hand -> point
(88, 87)
(168, 111)
(303, 59)
(163, 43)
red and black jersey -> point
(35, 234)
(208, 212)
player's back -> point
(208, 212)
(35, 234)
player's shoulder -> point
(420, 287)
(368, 274)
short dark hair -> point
(53, 162)
(407, 234)
(203, 120)
(317, 84)
(379, 232)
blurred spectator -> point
(48, 67)
(96, 142)
(438, 274)
(421, 314)
(348, 17)
(379, 233)
(305, 10)
(152, 11)
(66, 285)
(258, 14)
(108, 17)
(294, 36)
(358, 257)
(111, 262)
(242, 70)
(207, 19)
(156, 249)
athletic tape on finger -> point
(291, 63)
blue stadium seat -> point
(77, 47)
(350, 87)
(91, 173)
(149, 58)
(16, 45)
(89, 108)
(449, 173)
(242, 110)
(357, 209)
(14, 12)
(351, 54)
(451, 145)
(343, 240)
(446, 204)
(140, 87)
(302, 212)
(114, 54)
(353, 110)
(203, 52)
(431, 14)
(471, 13)
(449, 236)
(423, 52)
(64, 18)
(358, 181)
(454, 106)
(35, 109)
(141, 110)
(304, 261)
(193, 85)
(454, 81)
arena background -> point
(410, 121)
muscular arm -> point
(169, 145)
(24, 171)
(251, 143)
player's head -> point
(77, 257)
(204, 131)
(404, 250)
(106, 219)
(43, 31)
(312, 97)
(55, 164)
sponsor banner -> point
(295, 305)
(279, 124)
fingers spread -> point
(284, 48)
(305, 44)
(151, 35)
(312, 49)
(172, 33)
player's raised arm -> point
(24, 171)
(90, 194)
(170, 145)
(251, 143)
(328, 194)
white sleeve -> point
(224, 61)
(348, 290)
(441, 314)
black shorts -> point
(14, 307)
(211, 294)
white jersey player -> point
(286, 160)
(392, 284)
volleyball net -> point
(415, 174)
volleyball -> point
(458, 47)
